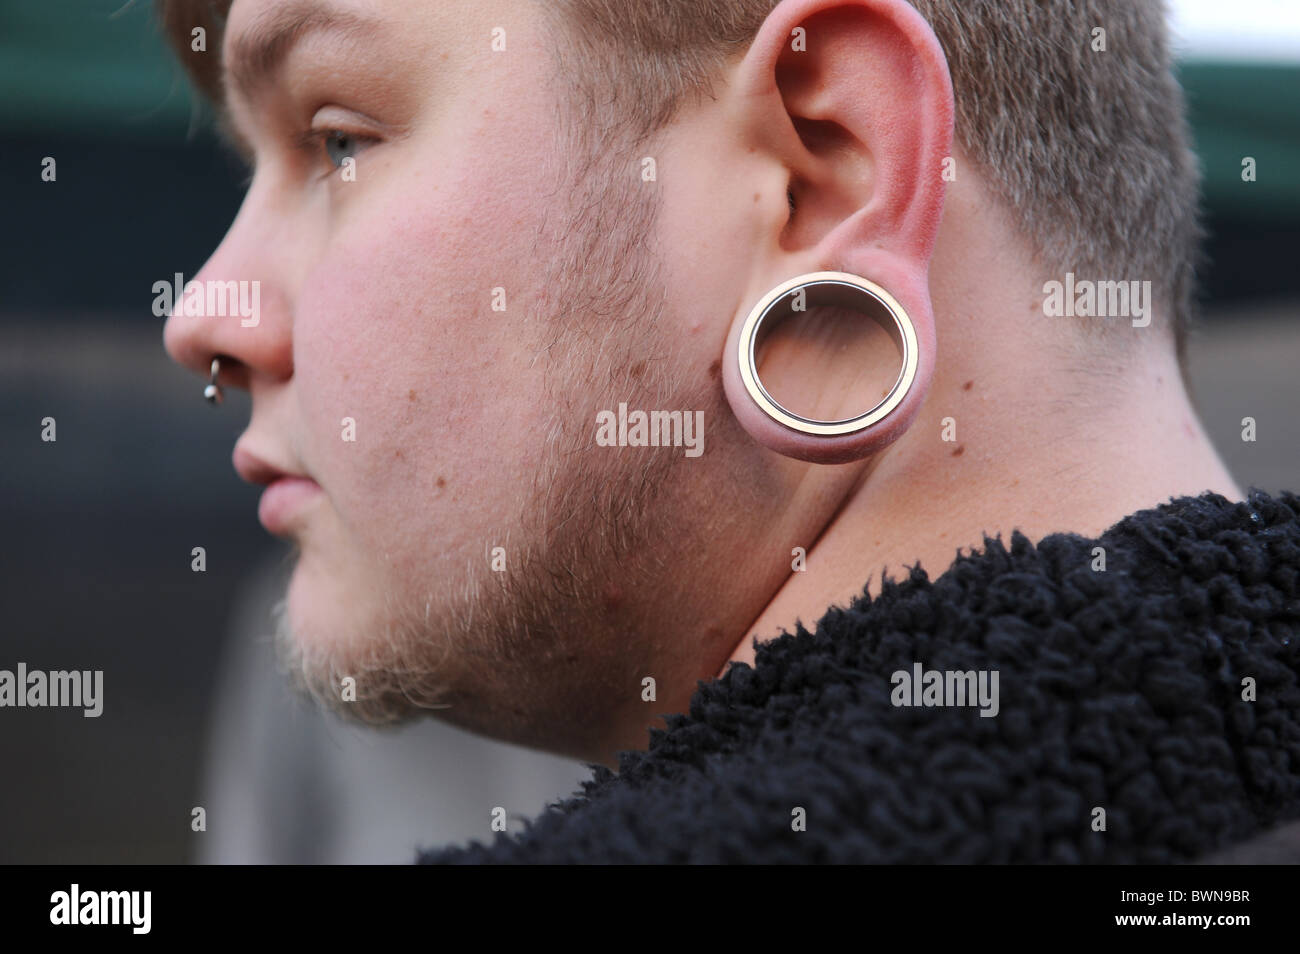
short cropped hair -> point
(1082, 134)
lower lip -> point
(283, 500)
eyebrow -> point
(258, 53)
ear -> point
(854, 100)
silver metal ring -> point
(828, 288)
(213, 391)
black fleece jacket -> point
(1163, 690)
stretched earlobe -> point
(828, 441)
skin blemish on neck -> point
(968, 385)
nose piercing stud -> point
(213, 391)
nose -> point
(236, 308)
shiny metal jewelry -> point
(213, 391)
(828, 288)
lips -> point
(287, 493)
(284, 501)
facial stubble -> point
(533, 653)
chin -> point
(350, 656)
(312, 617)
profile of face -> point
(461, 274)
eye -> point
(337, 144)
(340, 145)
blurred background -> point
(96, 529)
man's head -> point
(479, 226)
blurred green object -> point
(1243, 109)
(92, 67)
(100, 67)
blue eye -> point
(339, 146)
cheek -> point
(395, 329)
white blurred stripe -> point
(1266, 30)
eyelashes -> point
(307, 149)
(329, 147)
(323, 148)
(339, 145)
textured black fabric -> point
(1119, 689)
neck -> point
(1047, 449)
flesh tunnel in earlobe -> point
(802, 437)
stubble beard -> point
(503, 653)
